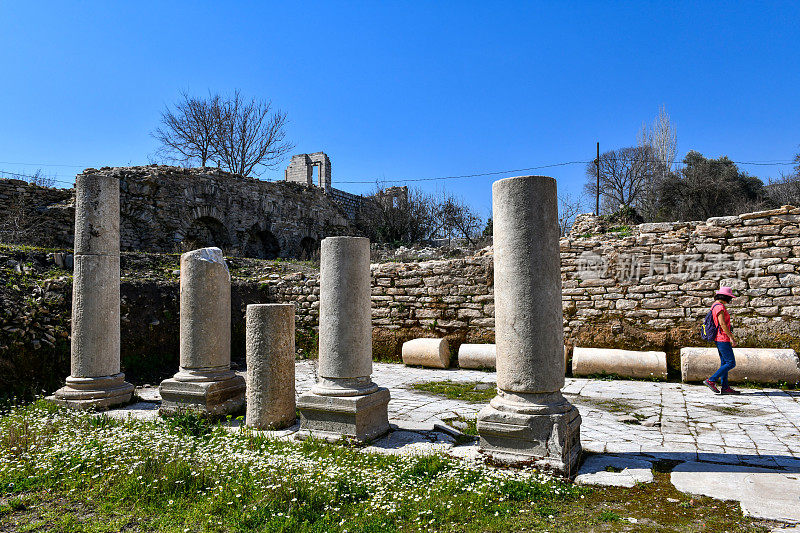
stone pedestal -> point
(269, 344)
(95, 379)
(345, 402)
(529, 421)
(205, 381)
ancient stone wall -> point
(33, 214)
(661, 278)
(645, 286)
(170, 209)
(301, 170)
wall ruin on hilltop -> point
(171, 209)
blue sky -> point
(398, 90)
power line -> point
(774, 162)
(41, 164)
(19, 174)
(468, 175)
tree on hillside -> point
(250, 135)
(188, 129)
(418, 217)
(707, 188)
(455, 219)
(239, 135)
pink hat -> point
(725, 291)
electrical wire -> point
(774, 162)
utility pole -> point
(597, 196)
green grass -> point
(452, 390)
(79, 472)
(69, 471)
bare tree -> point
(413, 217)
(624, 177)
(189, 129)
(250, 135)
(393, 218)
(661, 141)
(457, 219)
(568, 209)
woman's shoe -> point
(711, 385)
(728, 390)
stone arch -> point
(262, 244)
(309, 248)
(206, 231)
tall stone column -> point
(205, 381)
(95, 379)
(529, 419)
(345, 402)
(269, 345)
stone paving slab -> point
(760, 427)
(612, 471)
(762, 493)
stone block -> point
(625, 363)
(477, 356)
(213, 398)
(760, 365)
(362, 418)
(431, 353)
(93, 392)
(549, 439)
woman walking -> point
(724, 340)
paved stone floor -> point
(634, 421)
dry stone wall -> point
(34, 214)
(639, 287)
(655, 282)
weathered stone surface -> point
(612, 471)
(529, 419)
(345, 401)
(345, 340)
(625, 363)
(97, 214)
(95, 379)
(205, 381)
(433, 353)
(269, 349)
(477, 355)
(166, 208)
(363, 417)
(765, 365)
(96, 319)
(762, 493)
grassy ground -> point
(66, 471)
(471, 391)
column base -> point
(99, 392)
(211, 398)
(545, 432)
(363, 418)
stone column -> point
(345, 402)
(529, 419)
(205, 381)
(269, 343)
(95, 379)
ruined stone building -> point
(171, 209)
(314, 170)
